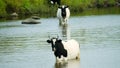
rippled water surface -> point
(25, 46)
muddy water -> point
(24, 46)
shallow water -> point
(25, 46)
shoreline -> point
(85, 12)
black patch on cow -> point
(63, 12)
(59, 48)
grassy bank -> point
(43, 7)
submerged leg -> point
(78, 57)
(65, 59)
(59, 59)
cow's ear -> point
(59, 40)
(49, 41)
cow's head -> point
(63, 10)
(54, 42)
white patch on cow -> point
(54, 40)
(63, 6)
(59, 13)
(67, 13)
(72, 48)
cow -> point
(55, 2)
(65, 50)
(63, 14)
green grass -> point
(42, 7)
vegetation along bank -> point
(43, 7)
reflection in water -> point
(65, 32)
(69, 64)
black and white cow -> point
(55, 2)
(63, 14)
(65, 50)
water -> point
(25, 46)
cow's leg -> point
(65, 59)
(60, 22)
(78, 56)
(59, 58)
(65, 54)
(64, 21)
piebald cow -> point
(63, 14)
(64, 50)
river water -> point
(25, 46)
